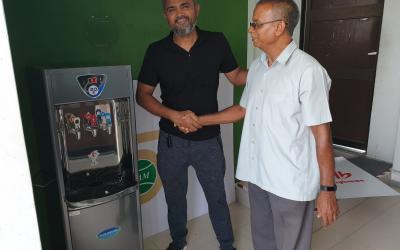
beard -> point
(185, 29)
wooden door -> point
(343, 35)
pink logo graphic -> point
(342, 175)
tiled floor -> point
(364, 224)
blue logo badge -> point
(92, 85)
(108, 233)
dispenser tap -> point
(90, 123)
(108, 123)
(73, 125)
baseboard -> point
(395, 178)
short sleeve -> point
(245, 97)
(228, 62)
(314, 96)
(244, 100)
(148, 72)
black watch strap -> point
(328, 188)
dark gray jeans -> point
(174, 157)
(278, 223)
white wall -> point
(386, 104)
(252, 52)
(18, 223)
(396, 161)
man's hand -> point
(228, 115)
(327, 207)
(187, 121)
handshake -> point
(187, 121)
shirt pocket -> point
(278, 102)
(277, 110)
(278, 95)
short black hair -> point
(163, 3)
(287, 9)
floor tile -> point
(149, 244)
(324, 239)
(382, 204)
(383, 232)
(160, 240)
(354, 219)
(199, 243)
(200, 227)
(347, 204)
(350, 244)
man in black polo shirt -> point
(187, 64)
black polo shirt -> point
(188, 80)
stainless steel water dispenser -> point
(93, 132)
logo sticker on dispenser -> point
(106, 234)
(92, 85)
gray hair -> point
(286, 9)
(163, 3)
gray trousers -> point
(278, 223)
(174, 157)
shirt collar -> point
(284, 56)
(200, 37)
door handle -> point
(373, 53)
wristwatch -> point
(328, 188)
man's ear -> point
(197, 8)
(164, 12)
(280, 28)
